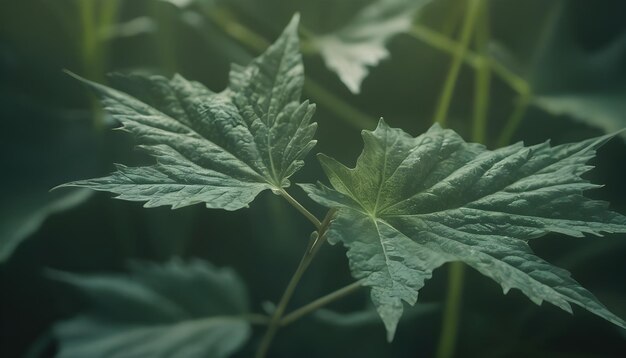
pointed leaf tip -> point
(187, 128)
(411, 204)
(351, 50)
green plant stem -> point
(348, 113)
(89, 54)
(227, 22)
(475, 9)
(473, 59)
(316, 241)
(284, 301)
(320, 302)
(451, 21)
(301, 209)
(307, 41)
(525, 92)
(95, 16)
(451, 79)
(108, 13)
(511, 125)
(481, 106)
(88, 26)
(483, 78)
(166, 39)
(452, 310)
(476, 60)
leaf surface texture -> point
(221, 149)
(361, 43)
(412, 204)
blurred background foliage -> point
(551, 70)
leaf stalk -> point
(452, 310)
(477, 9)
(301, 209)
(320, 302)
(450, 83)
(315, 242)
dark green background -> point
(48, 138)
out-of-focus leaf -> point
(134, 27)
(360, 44)
(40, 148)
(182, 3)
(412, 204)
(605, 110)
(221, 149)
(184, 309)
(587, 85)
(22, 214)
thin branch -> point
(522, 102)
(450, 325)
(482, 82)
(445, 44)
(477, 9)
(321, 237)
(335, 104)
(226, 21)
(315, 242)
(301, 209)
(284, 301)
(320, 302)
(450, 83)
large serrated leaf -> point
(412, 204)
(221, 149)
(176, 309)
(350, 50)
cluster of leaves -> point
(179, 308)
(409, 205)
(220, 149)
(563, 78)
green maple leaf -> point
(221, 149)
(361, 42)
(190, 309)
(412, 204)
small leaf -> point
(350, 50)
(221, 149)
(412, 204)
(176, 309)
